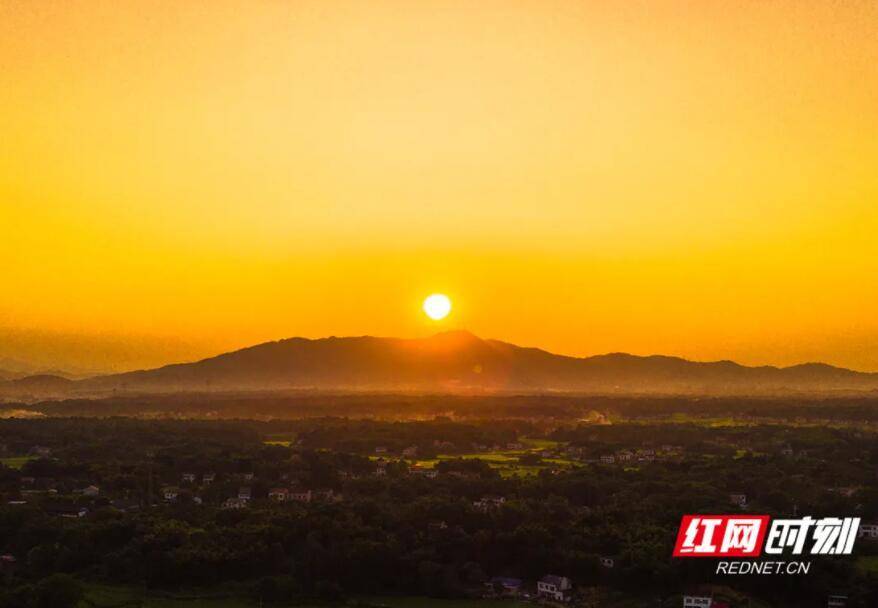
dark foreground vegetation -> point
(329, 509)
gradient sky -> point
(695, 178)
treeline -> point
(293, 405)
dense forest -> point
(173, 503)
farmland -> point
(15, 462)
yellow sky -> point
(695, 178)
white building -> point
(301, 495)
(868, 531)
(697, 601)
(554, 587)
(235, 503)
(489, 502)
(739, 500)
(279, 494)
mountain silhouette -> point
(460, 361)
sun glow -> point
(437, 306)
(590, 176)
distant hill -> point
(459, 361)
(41, 385)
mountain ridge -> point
(458, 361)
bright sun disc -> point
(437, 306)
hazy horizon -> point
(70, 356)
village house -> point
(697, 601)
(410, 451)
(427, 472)
(608, 562)
(40, 451)
(435, 526)
(170, 494)
(514, 445)
(846, 491)
(837, 601)
(326, 495)
(188, 477)
(381, 450)
(624, 455)
(381, 467)
(608, 459)
(235, 503)
(554, 587)
(279, 494)
(868, 531)
(244, 493)
(8, 565)
(300, 495)
(489, 502)
(739, 500)
(91, 491)
(208, 478)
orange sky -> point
(694, 178)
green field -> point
(101, 596)
(541, 444)
(281, 439)
(506, 461)
(15, 462)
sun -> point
(437, 306)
